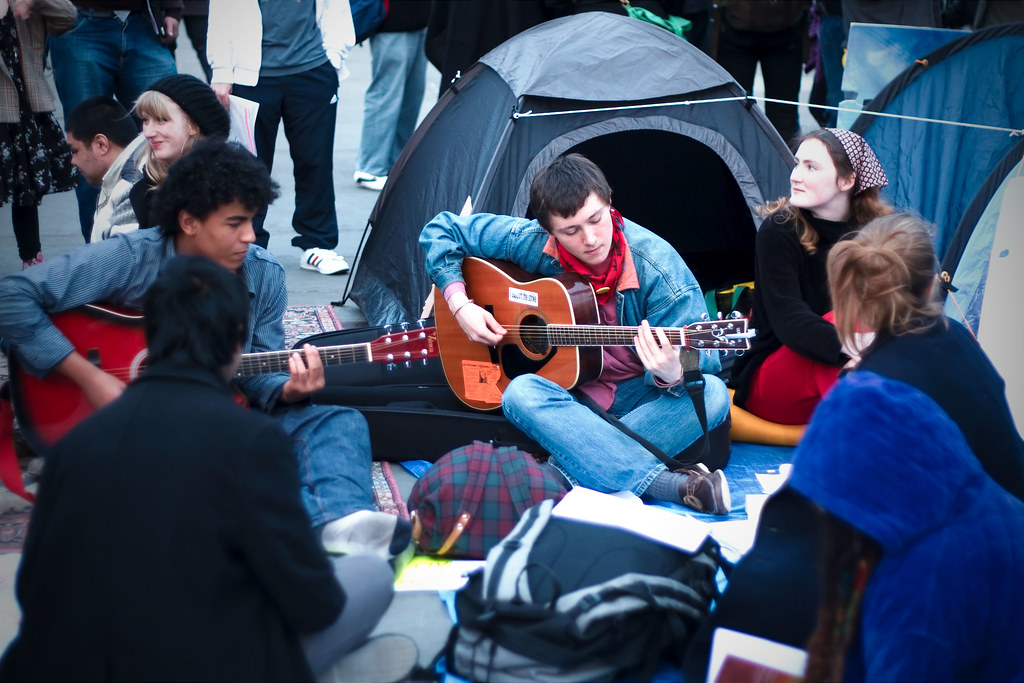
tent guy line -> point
(1013, 132)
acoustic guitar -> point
(113, 340)
(553, 331)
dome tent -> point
(685, 154)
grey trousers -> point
(368, 582)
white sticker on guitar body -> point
(523, 296)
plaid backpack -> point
(473, 496)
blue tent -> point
(937, 169)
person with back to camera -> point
(922, 569)
(796, 355)
(170, 524)
(639, 281)
(884, 282)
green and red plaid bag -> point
(473, 496)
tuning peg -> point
(387, 329)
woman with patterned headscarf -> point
(796, 356)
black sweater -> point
(790, 297)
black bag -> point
(411, 411)
(564, 600)
(366, 16)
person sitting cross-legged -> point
(639, 281)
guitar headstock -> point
(404, 345)
(730, 334)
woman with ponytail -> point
(796, 355)
(884, 286)
(922, 569)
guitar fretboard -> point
(277, 361)
(595, 335)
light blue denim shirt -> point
(668, 293)
(120, 271)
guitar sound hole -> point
(533, 335)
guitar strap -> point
(693, 380)
(10, 469)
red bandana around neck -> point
(603, 284)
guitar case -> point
(411, 411)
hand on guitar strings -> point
(99, 386)
(477, 322)
(657, 354)
(306, 372)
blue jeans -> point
(102, 56)
(592, 452)
(332, 445)
(307, 102)
(831, 39)
(392, 102)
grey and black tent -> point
(686, 155)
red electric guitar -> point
(113, 339)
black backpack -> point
(564, 600)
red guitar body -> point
(47, 409)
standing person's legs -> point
(26, 232)
(85, 62)
(782, 69)
(368, 583)
(415, 84)
(144, 60)
(736, 54)
(310, 114)
(382, 104)
(270, 97)
(831, 40)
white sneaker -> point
(324, 261)
(369, 181)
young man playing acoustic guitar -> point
(205, 207)
(640, 281)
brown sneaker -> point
(705, 491)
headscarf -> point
(862, 158)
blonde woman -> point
(175, 111)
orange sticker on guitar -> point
(480, 381)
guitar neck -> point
(277, 361)
(603, 335)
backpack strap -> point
(693, 381)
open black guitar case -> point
(412, 412)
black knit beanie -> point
(198, 100)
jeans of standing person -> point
(307, 102)
(831, 39)
(780, 54)
(596, 454)
(393, 100)
(102, 55)
(332, 445)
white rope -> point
(1014, 132)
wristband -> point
(461, 306)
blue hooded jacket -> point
(946, 599)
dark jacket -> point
(405, 15)
(790, 297)
(169, 542)
(948, 364)
(943, 603)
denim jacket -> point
(656, 284)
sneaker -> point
(35, 261)
(324, 261)
(370, 181)
(367, 531)
(705, 491)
